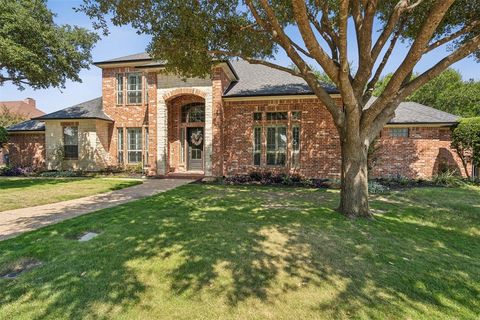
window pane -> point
(398, 132)
(295, 146)
(70, 142)
(277, 115)
(257, 116)
(182, 145)
(120, 145)
(193, 113)
(276, 145)
(134, 88)
(296, 115)
(257, 145)
(134, 144)
(119, 89)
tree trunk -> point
(354, 192)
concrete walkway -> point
(15, 222)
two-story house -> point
(244, 118)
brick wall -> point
(143, 115)
(422, 154)
(319, 143)
(27, 149)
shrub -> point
(16, 171)
(3, 136)
(375, 187)
(62, 174)
(447, 179)
(466, 141)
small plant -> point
(375, 187)
(448, 179)
(62, 174)
(16, 171)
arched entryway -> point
(186, 134)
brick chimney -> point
(30, 101)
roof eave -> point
(83, 118)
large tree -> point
(35, 51)
(191, 34)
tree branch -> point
(438, 11)
(453, 36)
(371, 84)
(307, 74)
(410, 87)
(303, 23)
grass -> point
(232, 252)
(18, 193)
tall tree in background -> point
(447, 92)
(189, 33)
(35, 51)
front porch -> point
(187, 134)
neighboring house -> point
(15, 110)
(243, 118)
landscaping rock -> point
(87, 236)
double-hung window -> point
(134, 88)
(295, 145)
(276, 145)
(134, 145)
(257, 145)
(119, 89)
(70, 142)
(120, 143)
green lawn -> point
(27, 192)
(227, 252)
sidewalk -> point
(18, 221)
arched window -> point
(194, 112)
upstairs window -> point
(194, 112)
(257, 116)
(134, 88)
(119, 88)
(398, 132)
(276, 145)
(70, 142)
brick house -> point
(243, 118)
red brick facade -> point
(423, 153)
(27, 150)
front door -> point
(195, 148)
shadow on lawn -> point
(238, 243)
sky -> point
(124, 41)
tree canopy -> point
(466, 140)
(37, 52)
(191, 35)
(447, 92)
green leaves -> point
(3, 136)
(36, 51)
(466, 139)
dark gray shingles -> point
(132, 57)
(260, 80)
(412, 112)
(29, 125)
(91, 109)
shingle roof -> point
(260, 80)
(143, 56)
(29, 125)
(410, 112)
(92, 109)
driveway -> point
(18, 221)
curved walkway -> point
(18, 221)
